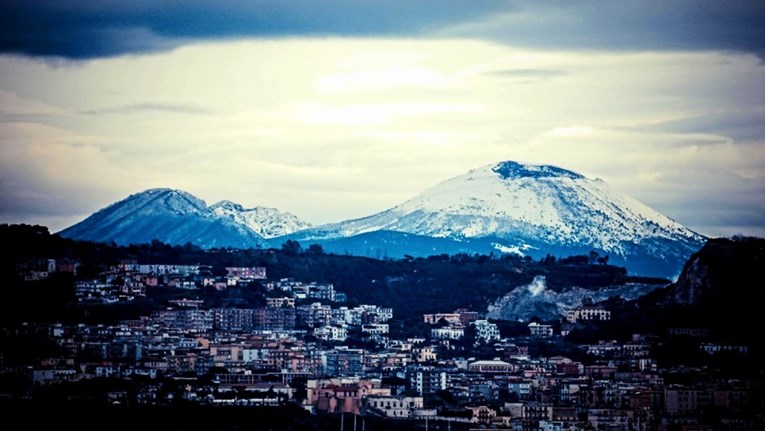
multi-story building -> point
(426, 380)
(274, 318)
(321, 291)
(482, 415)
(491, 367)
(341, 395)
(192, 320)
(374, 314)
(485, 331)
(540, 330)
(314, 315)
(233, 319)
(398, 407)
(588, 312)
(522, 388)
(424, 354)
(447, 333)
(344, 362)
(683, 400)
(375, 328)
(450, 318)
(467, 316)
(330, 333)
(281, 302)
(239, 273)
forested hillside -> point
(411, 286)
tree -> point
(292, 248)
(315, 249)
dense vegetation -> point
(412, 286)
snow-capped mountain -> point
(266, 222)
(529, 208)
(174, 217)
(502, 208)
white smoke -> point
(537, 286)
(535, 299)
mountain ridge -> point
(169, 215)
(503, 207)
(535, 200)
(267, 222)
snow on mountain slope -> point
(267, 222)
(506, 207)
(171, 216)
(525, 203)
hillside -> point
(412, 286)
(719, 293)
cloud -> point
(527, 73)
(652, 25)
(331, 129)
(378, 114)
(82, 29)
(11, 105)
(741, 125)
(49, 172)
(149, 107)
(709, 183)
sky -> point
(338, 109)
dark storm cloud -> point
(87, 29)
(24, 196)
(733, 25)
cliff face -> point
(725, 271)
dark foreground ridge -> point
(95, 416)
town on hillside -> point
(309, 345)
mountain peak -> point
(175, 217)
(267, 222)
(228, 205)
(514, 170)
(535, 209)
(175, 200)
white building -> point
(331, 333)
(540, 330)
(281, 302)
(447, 333)
(375, 328)
(392, 406)
(486, 331)
(588, 313)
